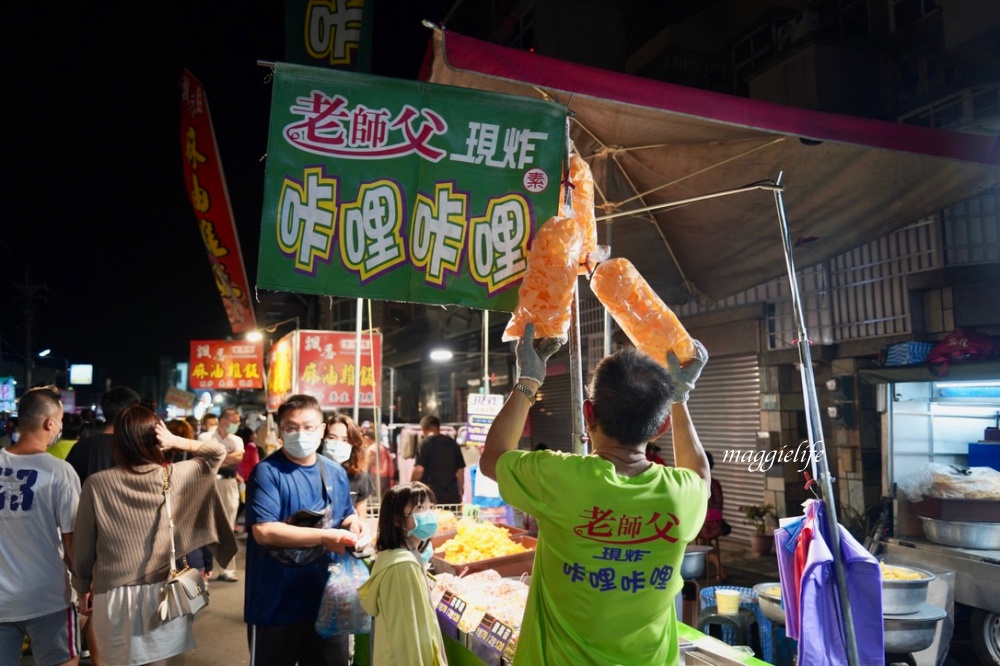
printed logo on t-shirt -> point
(17, 489)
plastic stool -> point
(744, 626)
(748, 600)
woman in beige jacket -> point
(121, 548)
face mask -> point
(427, 553)
(426, 524)
(301, 444)
(339, 451)
(14, 436)
(232, 428)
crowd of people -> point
(86, 542)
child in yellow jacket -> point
(405, 629)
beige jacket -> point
(121, 535)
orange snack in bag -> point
(582, 194)
(546, 292)
(651, 326)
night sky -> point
(95, 207)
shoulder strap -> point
(170, 517)
(322, 478)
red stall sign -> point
(226, 364)
(323, 364)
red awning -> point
(847, 180)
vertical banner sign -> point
(7, 400)
(226, 364)
(321, 364)
(328, 33)
(206, 188)
(396, 190)
(279, 371)
(326, 368)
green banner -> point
(329, 33)
(397, 190)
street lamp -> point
(47, 354)
(442, 355)
(258, 334)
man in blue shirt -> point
(281, 600)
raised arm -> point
(210, 452)
(505, 432)
(688, 451)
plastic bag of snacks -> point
(582, 211)
(651, 326)
(340, 611)
(547, 289)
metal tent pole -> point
(357, 356)
(820, 464)
(576, 373)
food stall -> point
(933, 421)
(479, 588)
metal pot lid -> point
(691, 548)
(926, 613)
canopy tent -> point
(847, 180)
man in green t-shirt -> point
(612, 526)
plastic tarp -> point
(847, 180)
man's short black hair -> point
(296, 402)
(116, 401)
(631, 395)
(37, 405)
(430, 422)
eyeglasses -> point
(288, 430)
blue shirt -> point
(277, 594)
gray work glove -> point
(531, 359)
(685, 377)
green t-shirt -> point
(607, 565)
(61, 448)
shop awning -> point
(847, 180)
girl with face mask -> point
(344, 444)
(405, 629)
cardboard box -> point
(506, 566)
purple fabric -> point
(821, 641)
(786, 572)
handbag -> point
(184, 592)
(301, 556)
(340, 611)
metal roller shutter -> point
(550, 418)
(725, 408)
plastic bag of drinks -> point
(651, 326)
(546, 291)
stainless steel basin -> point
(769, 603)
(912, 633)
(693, 564)
(978, 536)
(900, 597)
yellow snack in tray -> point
(446, 520)
(899, 573)
(479, 541)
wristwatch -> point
(528, 393)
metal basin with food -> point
(769, 600)
(914, 632)
(693, 564)
(904, 589)
(978, 536)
